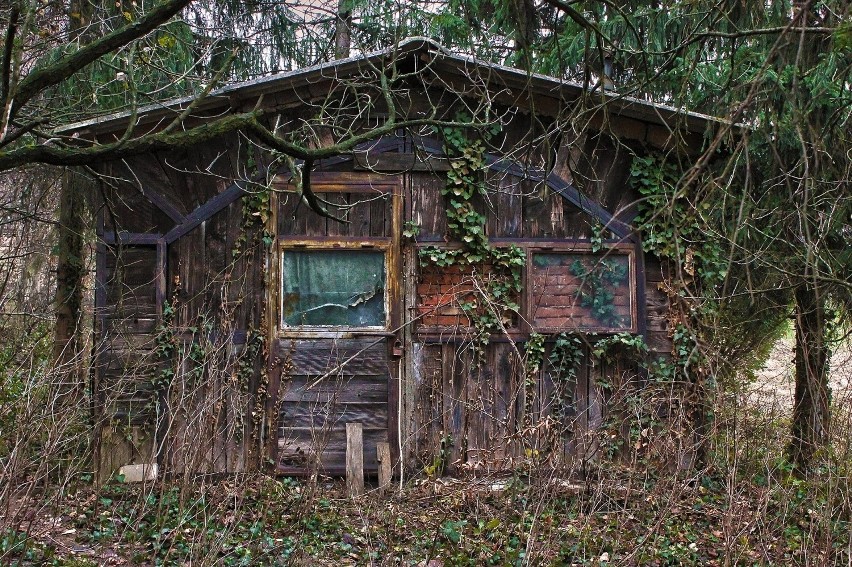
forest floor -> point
(744, 508)
(774, 383)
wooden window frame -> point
(302, 331)
(525, 324)
(341, 182)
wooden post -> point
(384, 457)
(355, 459)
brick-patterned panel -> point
(586, 292)
(440, 294)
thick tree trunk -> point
(811, 411)
(70, 269)
(525, 18)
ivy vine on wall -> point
(501, 268)
(600, 279)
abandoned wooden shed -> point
(485, 245)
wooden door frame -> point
(348, 182)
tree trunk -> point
(812, 397)
(70, 269)
(526, 24)
(70, 266)
(343, 30)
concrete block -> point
(139, 473)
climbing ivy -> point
(534, 350)
(493, 305)
(165, 345)
(565, 359)
(599, 280)
(672, 225)
(608, 347)
(257, 214)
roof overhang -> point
(439, 59)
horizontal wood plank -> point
(359, 388)
(322, 416)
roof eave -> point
(542, 85)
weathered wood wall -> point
(239, 392)
(179, 326)
(488, 412)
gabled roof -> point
(441, 61)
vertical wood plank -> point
(355, 459)
(504, 220)
(383, 455)
(412, 360)
(315, 225)
(160, 283)
(359, 215)
(427, 205)
(341, 211)
(381, 215)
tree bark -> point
(343, 30)
(811, 402)
(526, 23)
(70, 269)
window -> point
(582, 291)
(566, 290)
(325, 288)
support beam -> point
(238, 189)
(555, 183)
(207, 210)
(161, 202)
(132, 238)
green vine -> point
(495, 303)
(257, 213)
(600, 278)
(165, 346)
(255, 230)
(199, 349)
(672, 226)
(534, 350)
(565, 359)
(609, 347)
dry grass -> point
(744, 508)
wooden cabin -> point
(238, 329)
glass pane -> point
(575, 291)
(333, 287)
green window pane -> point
(333, 288)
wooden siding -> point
(330, 384)
(264, 392)
(201, 419)
(363, 209)
(125, 354)
(489, 415)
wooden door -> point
(336, 312)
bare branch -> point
(54, 73)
